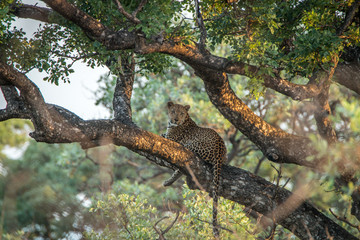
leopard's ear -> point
(170, 104)
(187, 107)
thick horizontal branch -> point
(195, 57)
(276, 144)
(257, 194)
(295, 91)
(34, 12)
(127, 40)
(236, 184)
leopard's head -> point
(177, 114)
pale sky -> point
(77, 96)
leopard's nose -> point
(176, 120)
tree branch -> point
(129, 16)
(243, 187)
(121, 40)
(125, 40)
(34, 12)
(343, 219)
(123, 88)
(56, 125)
(200, 23)
(109, 38)
(15, 107)
(10, 94)
(276, 144)
(350, 14)
(347, 74)
(236, 184)
(31, 95)
(323, 110)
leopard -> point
(206, 143)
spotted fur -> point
(205, 142)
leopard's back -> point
(205, 142)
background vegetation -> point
(59, 191)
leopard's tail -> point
(215, 192)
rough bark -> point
(92, 27)
(347, 74)
(123, 89)
(243, 187)
(31, 94)
(34, 12)
(277, 145)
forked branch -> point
(131, 17)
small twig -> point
(138, 9)
(272, 233)
(287, 181)
(261, 220)
(126, 14)
(75, 58)
(343, 219)
(257, 168)
(172, 224)
(279, 176)
(90, 158)
(124, 221)
(223, 228)
(162, 233)
(324, 69)
(27, 71)
(175, 176)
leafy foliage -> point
(40, 197)
(131, 217)
(12, 134)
